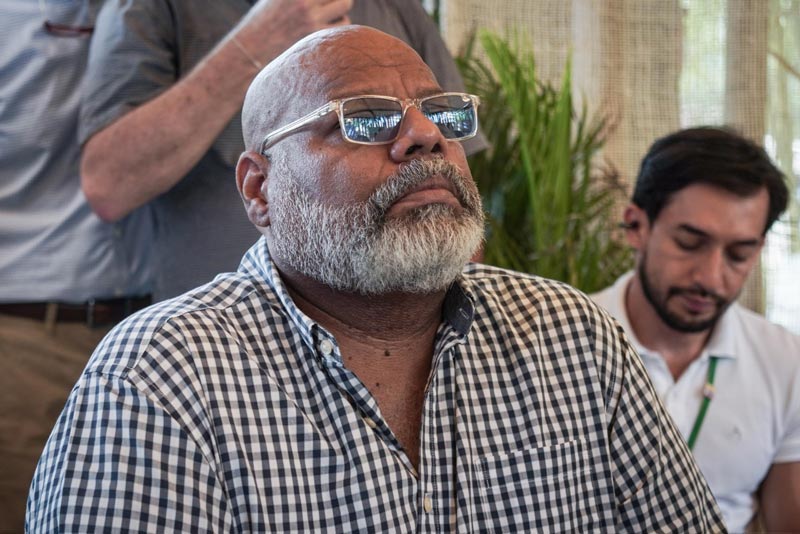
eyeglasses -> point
(375, 120)
(65, 30)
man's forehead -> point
(353, 68)
(332, 64)
(715, 210)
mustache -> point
(699, 291)
(412, 174)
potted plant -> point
(550, 203)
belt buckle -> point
(90, 313)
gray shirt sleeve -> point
(131, 61)
(142, 47)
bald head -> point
(316, 69)
(376, 218)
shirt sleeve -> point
(132, 59)
(117, 461)
(658, 486)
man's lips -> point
(436, 190)
(698, 304)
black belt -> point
(93, 312)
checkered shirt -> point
(229, 410)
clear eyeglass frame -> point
(338, 106)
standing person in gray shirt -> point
(160, 118)
(65, 275)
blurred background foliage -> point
(549, 199)
(653, 66)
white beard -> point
(355, 248)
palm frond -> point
(549, 202)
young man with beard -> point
(353, 375)
(703, 202)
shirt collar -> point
(258, 264)
(723, 340)
(457, 311)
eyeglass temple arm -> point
(276, 135)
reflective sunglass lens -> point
(375, 120)
(371, 120)
(453, 114)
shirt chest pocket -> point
(70, 17)
(548, 489)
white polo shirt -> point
(753, 420)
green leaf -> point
(549, 202)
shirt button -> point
(427, 504)
(326, 347)
(370, 422)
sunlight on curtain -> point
(782, 257)
(704, 86)
(656, 65)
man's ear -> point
(636, 226)
(251, 181)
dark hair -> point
(714, 156)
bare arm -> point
(780, 498)
(147, 151)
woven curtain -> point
(654, 66)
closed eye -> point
(741, 253)
(689, 244)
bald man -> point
(354, 375)
(166, 80)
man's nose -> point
(710, 271)
(418, 136)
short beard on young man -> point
(356, 248)
(659, 303)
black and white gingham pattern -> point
(220, 411)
